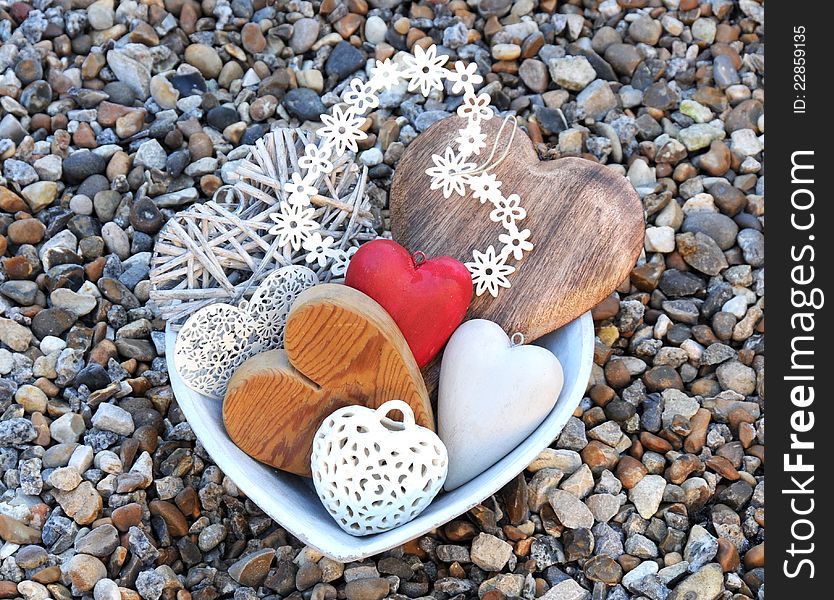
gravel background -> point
(114, 115)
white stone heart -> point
(492, 395)
(217, 339)
(373, 474)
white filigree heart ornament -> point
(217, 339)
(372, 473)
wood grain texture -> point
(586, 223)
(341, 348)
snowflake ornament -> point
(515, 242)
(475, 108)
(293, 225)
(299, 191)
(471, 141)
(425, 70)
(318, 248)
(447, 172)
(361, 96)
(453, 171)
(384, 75)
(489, 271)
(464, 78)
(342, 129)
(508, 210)
(341, 260)
(316, 161)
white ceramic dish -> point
(292, 500)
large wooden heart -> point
(586, 223)
(340, 348)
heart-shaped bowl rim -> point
(292, 501)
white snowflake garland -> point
(453, 172)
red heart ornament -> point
(426, 298)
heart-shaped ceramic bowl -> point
(292, 500)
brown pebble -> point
(17, 267)
(174, 519)
(616, 374)
(252, 38)
(84, 136)
(601, 394)
(599, 456)
(682, 467)
(11, 202)
(127, 516)
(697, 437)
(607, 309)
(717, 160)
(143, 33)
(8, 589)
(460, 531)
(348, 25)
(654, 443)
(188, 502)
(630, 471)
(727, 555)
(26, 231)
(456, 570)
(755, 557)
(628, 562)
(723, 467)
(200, 146)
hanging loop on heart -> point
(392, 405)
(517, 339)
(419, 258)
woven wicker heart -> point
(217, 339)
(373, 474)
(585, 220)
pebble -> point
(150, 155)
(205, 59)
(489, 552)
(572, 72)
(647, 495)
(706, 583)
(596, 100)
(571, 512)
(39, 195)
(344, 60)
(304, 104)
(84, 571)
(371, 588)
(81, 164)
(305, 32)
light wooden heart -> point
(492, 396)
(340, 348)
(586, 223)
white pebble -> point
(375, 30)
(108, 462)
(110, 417)
(737, 305)
(81, 205)
(50, 344)
(81, 458)
(660, 239)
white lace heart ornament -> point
(373, 474)
(217, 339)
